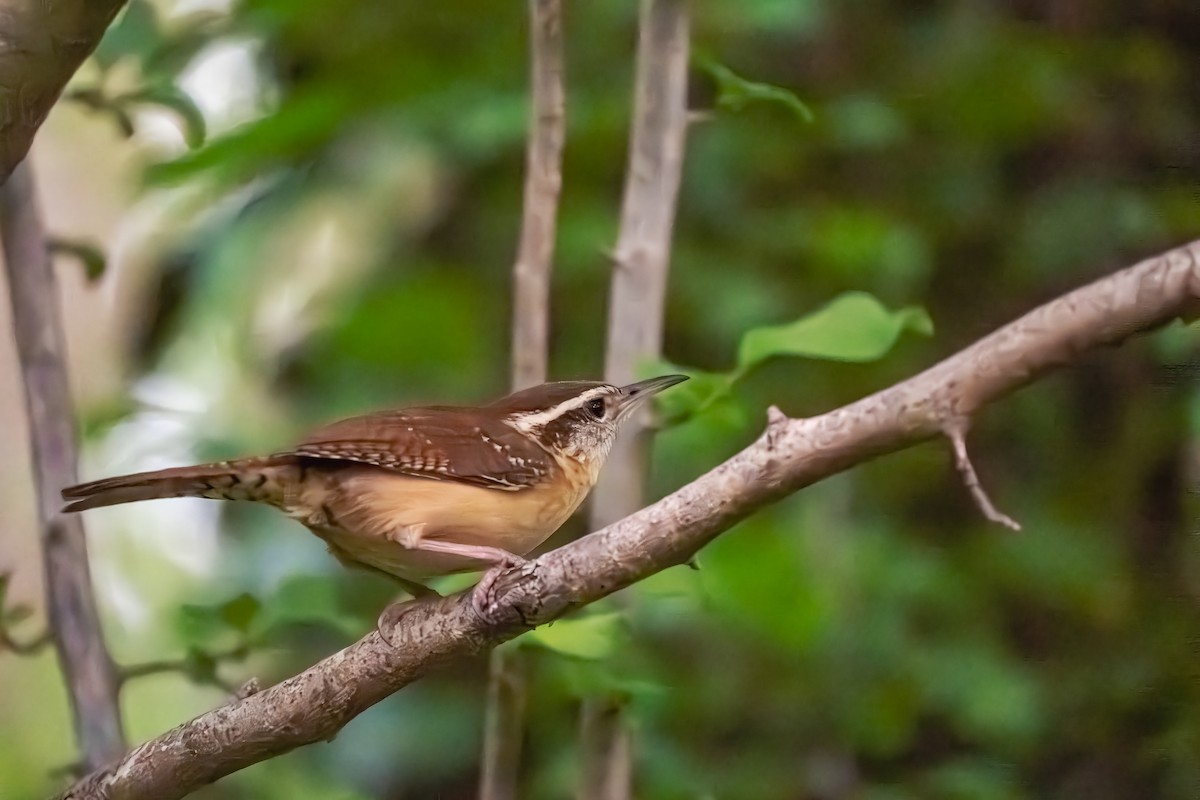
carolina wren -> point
(423, 491)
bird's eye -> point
(596, 409)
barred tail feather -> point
(259, 479)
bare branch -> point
(503, 729)
(962, 460)
(198, 666)
(504, 715)
(635, 321)
(543, 181)
(606, 771)
(90, 674)
(44, 43)
(181, 666)
(790, 454)
(642, 254)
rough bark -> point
(790, 454)
(42, 46)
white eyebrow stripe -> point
(529, 421)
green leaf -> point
(197, 623)
(865, 121)
(583, 678)
(88, 254)
(692, 396)
(782, 604)
(308, 600)
(200, 666)
(853, 327)
(977, 778)
(13, 615)
(592, 638)
(136, 32)
(240, 612)
(10, 615)
(984, 695)
(96, 100)
(293, 132)
(172, 97)
(735, 92)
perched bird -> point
(423, 491)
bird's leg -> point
(483, 599)
(482, 596)
(417, 590)
(389, 618)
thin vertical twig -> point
(604, 737)
(504, 727)
(543, 182)
(642, 254)
(505, 712)
(91, 676)
(635, 322)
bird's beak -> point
(635, 394)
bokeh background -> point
(309, 209)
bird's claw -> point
(390, 617)
(484, 600)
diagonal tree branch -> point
(90, 674)
(641, 262)
(43, 44)
(790, 454)
(505, 711)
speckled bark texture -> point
(790, 454)
(41, 46)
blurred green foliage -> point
(349, 247)
(853, 327)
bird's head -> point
(579, 419)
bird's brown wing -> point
(440, 444)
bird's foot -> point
(390, 617)
(484, 600)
